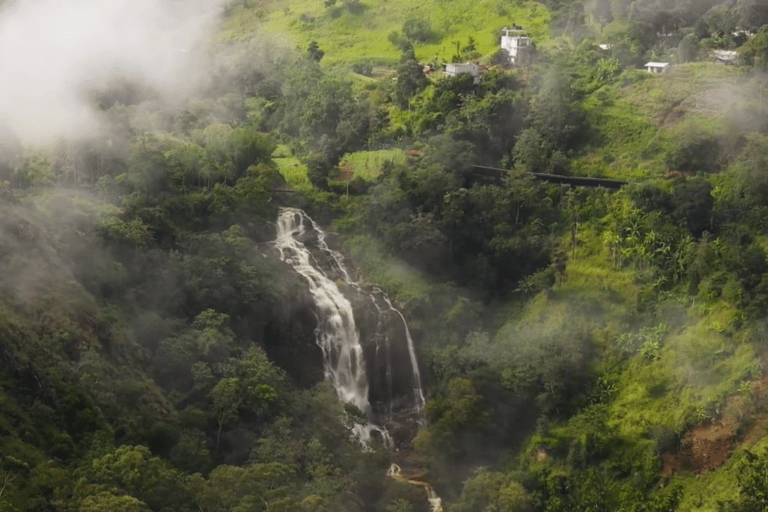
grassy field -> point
(700, 87)
(368, 164)
(294, 172)
(349, 35)
(636, 119)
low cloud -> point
(55, 54)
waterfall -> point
(379, 366)
(417, 391)
(435, 502)
(396, 388)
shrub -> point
(364, 68)
(417, 30)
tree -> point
(417, 30)
(501, 58)
(399, 41)
(605, 71)
(555, 114)
(550, 372)
(602, 13)
(108, 501)
(364, 68)
(229, 152)
(254, 487)
(354, 6)
(693, 204)
(753, 482)
(748, 187)
(514, 498)
(695, 151)
(456, 156)
(489, 491)
(755, 51)
(314, 105)
(226, 403)
(175, 365)
(688, 50)
(6, 482)
(314, 52)
(532, 150)
(258, 379)
(458, 413)
(410, 80)
(491, 122)
(132, 472)
(721, 19)
(319, 170)
(246, 389)
(753, 14)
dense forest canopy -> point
(581, 348)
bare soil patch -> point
(704, 447)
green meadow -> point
(349, 34)
(367, 165)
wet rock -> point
(289, 340)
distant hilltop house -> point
(512, 40)
(658, 67)
(472, 68)
(724, 57)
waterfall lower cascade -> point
(373, 366)
(435, 502)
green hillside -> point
(580, 349)
(352, 31)
(639, 118)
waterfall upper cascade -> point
(371, 363)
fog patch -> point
(57, 56)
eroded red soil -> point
(704, 447)
(708, 445)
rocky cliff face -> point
(289, 338)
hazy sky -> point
(53, 51)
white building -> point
(658, 67)
(468, 67)
(512, 41)
(726, 57)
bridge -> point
(496, 174)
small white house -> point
(725, 57)
(468, 67)
(658, 67)
(512, 41)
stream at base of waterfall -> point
(372, 365)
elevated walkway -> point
(496, 174)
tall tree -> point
(410, 81)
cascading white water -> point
(435, 502)
(337, 334)
(417, 391)
(338, 337)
